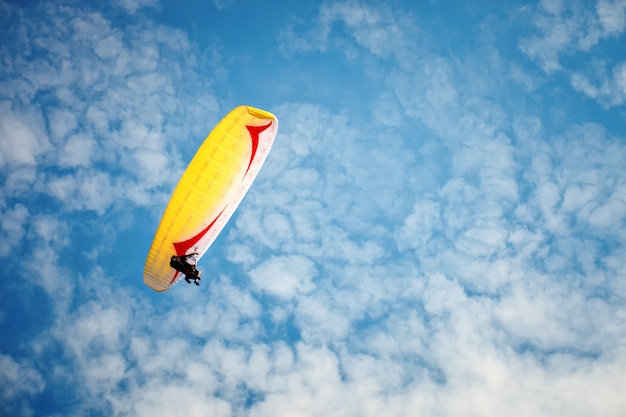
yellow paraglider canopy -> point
(209, 191)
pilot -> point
(181, 264)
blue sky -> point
(439, 229)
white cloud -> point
(419, 226)
(565, 30)
(561, 29)
(379, 31)
(222, 4)
(611, 212)
(85, 190)
(77, 151)
(61, 122)
(435, 102)
(131, 6)
(171, 398)
(17, 380)
(22, 138)
(19, 181)
(387, 111)
(285, 276)
(612, 14)
(111, 100)
(12, 227)
(48, 236)
(110, 46)
(606, 87)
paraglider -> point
(209, 191)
